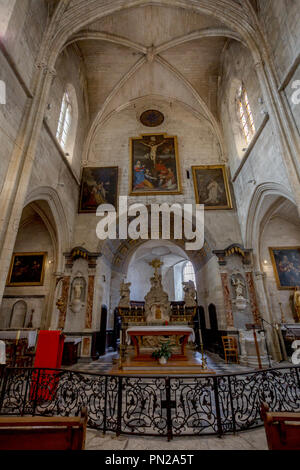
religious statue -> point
(296, 300)
(157, 305)
(125, 294)
(189, 294)
(239, 286)
(78, 288)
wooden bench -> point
(41, 433)
(282, 429)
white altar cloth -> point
(71, 339)
(31, 336)
(2, 353)
(163, 328)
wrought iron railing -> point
(164, 406)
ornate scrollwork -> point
(150, 405)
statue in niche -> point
(78, 294)
(125, 294)
(189, 294)
(157, 305)
(239, 286)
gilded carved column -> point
(62, 302)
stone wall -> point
(33, 236)
(264, 163)
(279, 232)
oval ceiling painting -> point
(152, 118)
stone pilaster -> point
(227, 300)
(89, 303)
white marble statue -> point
(77, 294)
(125, 294)
(189, 294)
(157, 305)
(239, 286)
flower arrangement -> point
(164, 352)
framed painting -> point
(154, 165)
(27, 269)
(286, 265)
(98, 186)
(211, 187)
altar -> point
(183, 333)
(157, 335)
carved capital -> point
(259, 64)
(260, 275)
(45, 68)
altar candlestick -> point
(200, 336)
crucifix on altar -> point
(156, 264)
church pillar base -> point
(252, 361)
(84, 360)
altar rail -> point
(161, 406)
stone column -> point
(18, 175)
(272, 336)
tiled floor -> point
(250, 440)
(104, 364)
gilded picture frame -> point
(99, 185)
(27, 269)
(286, 266)
(211, 187)
(154, 165)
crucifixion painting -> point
(154, 165)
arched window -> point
(65, 121)
(245, 114)
(189, 273)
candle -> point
(200, 336)
(121, 337)
(18, 336)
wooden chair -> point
(40, 433)
(282, 429)
(230, 348)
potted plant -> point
(163, 353)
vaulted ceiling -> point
(172, 51)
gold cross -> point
(156, 264)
